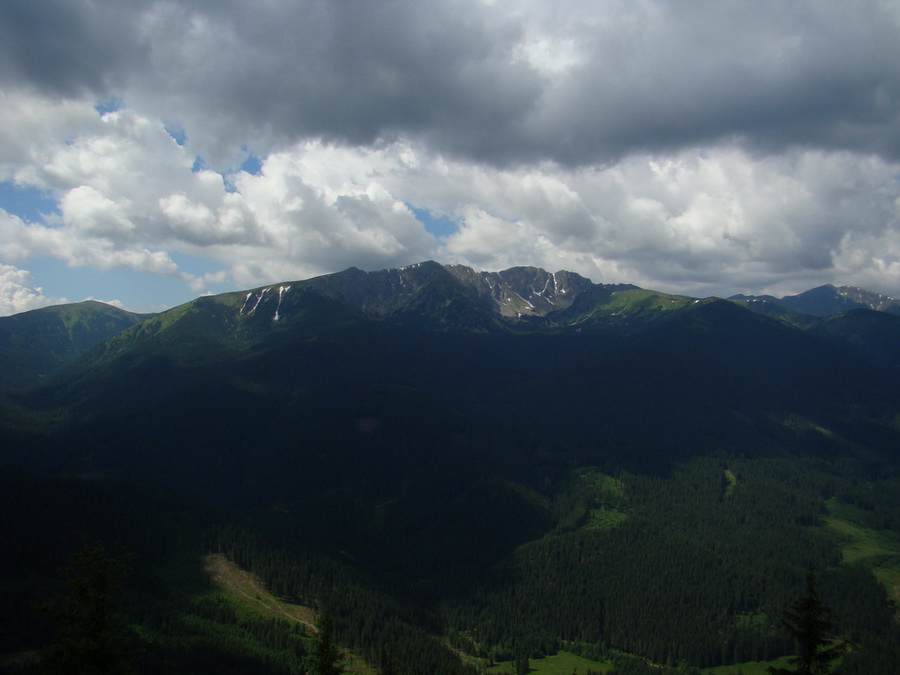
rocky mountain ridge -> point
(458, 297)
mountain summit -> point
(452, 295)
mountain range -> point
(459, 440)
(34, 344)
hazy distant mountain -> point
(824, 301)
(864, 322)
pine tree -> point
(807, 620)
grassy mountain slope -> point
(38, 343)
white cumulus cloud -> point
(18, 292)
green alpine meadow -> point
(434, 470)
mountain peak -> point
(822, 301)
(39, 342)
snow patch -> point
(546, 285)
(246, 300)
(259, 298)
(281, 291)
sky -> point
(157, 150)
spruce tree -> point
(325, 657)
(93, 636)
(522, 666)
(807, 620)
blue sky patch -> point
(109, 105)
(138, 291)
(28, 203)
(252, 165)
(439, 226)
(176, 131)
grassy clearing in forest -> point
(250, 594)
(609, 507)
(877, 549)
(748, 668)
(731, 482)
(248, 589)
(604, 518)
(565, 663)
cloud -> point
(655, 76)
(129, 195)
(715, 220)
(32, 127)
(18, 292)
(320, 209)
(569, 81)
(106, 176)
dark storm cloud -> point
(463, 76)
(822, 74)
(349, 71)
(68, 48)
